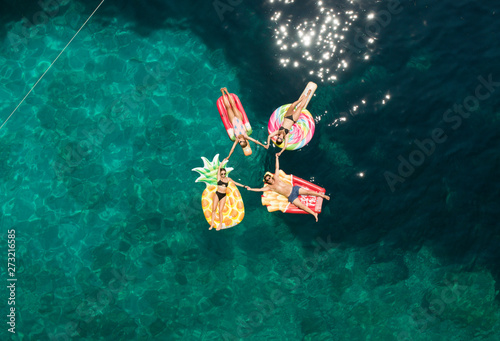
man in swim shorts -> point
(295, 193)
(274, 183)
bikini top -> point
(286, 130)
(221, 183)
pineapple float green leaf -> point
(208, 173)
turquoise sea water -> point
(110, 238)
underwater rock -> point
(465, 298)
(46, 117)
(217, 59)
(162, 249)
(318, 336)
(125, 328)
(163, 132)
(421, 63)
(151, 224)
(313, 324)
(46, 304)
(374, 74)
(190, 255)
(221, 297)
(123, 246)
(251, 242)
(181, 278)
(386, 273)
(185, 65)
(157, 327)
(241, 272)
(102, 257)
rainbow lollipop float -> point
(303, 130)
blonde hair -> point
(247, 150)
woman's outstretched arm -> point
(277, 171)
(237, 183)
(255, 141)
(232, 149)
(285, 144)
(274, 133)
(263, 189)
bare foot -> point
(326, 197)
(316, 216)
(211, 227)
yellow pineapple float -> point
(234, 210)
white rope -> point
(39, 79)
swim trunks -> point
(294, 195)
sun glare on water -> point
(319, 42)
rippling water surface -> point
(111, 242)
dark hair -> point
(279, 140)
(243, 144)
(223, 169)
(266, 179)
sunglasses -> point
(224, 173)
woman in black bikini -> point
(219, 197)
(291, 117)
